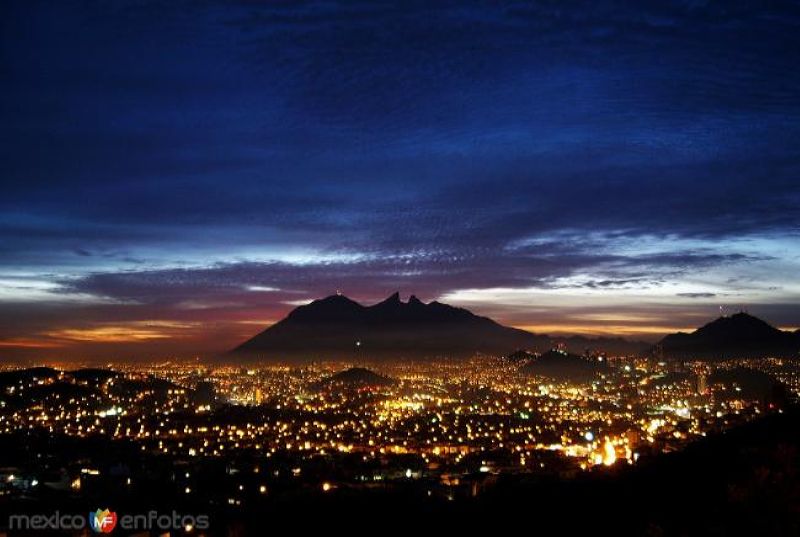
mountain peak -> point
(732, 336)
(337, 327)
(338, 297)
(394, 298)
(739, 325)
(327, 309)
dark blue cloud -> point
(463, 145)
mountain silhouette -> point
(734, 336)
(338, 327)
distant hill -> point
(563, 366)
(355, 377)
(735, 336)
(337, 327)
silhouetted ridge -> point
(332, 308)
(336, 327)
(735, 336)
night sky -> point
(176, 176)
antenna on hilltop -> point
(338, 292)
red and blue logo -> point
(103, 521)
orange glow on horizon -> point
(607, 330)
(126, 332)
(24, 343)
(257, 322)
(199, 335)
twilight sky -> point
(176, 176)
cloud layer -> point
(617, 168)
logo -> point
(103, 521)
